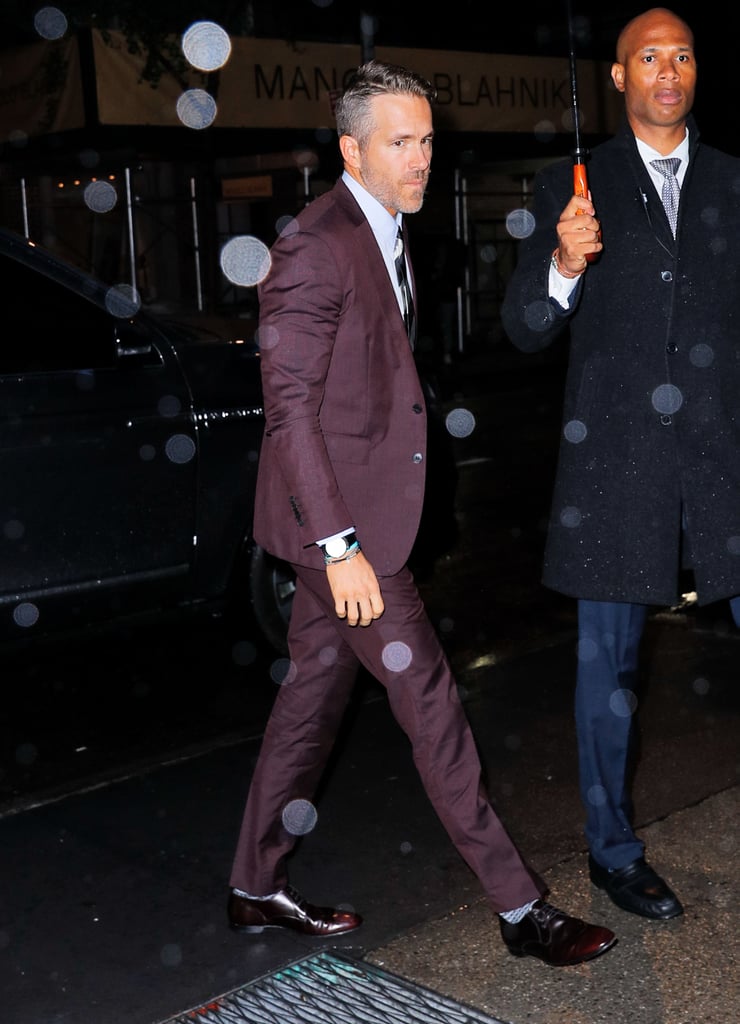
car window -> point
(47, 327)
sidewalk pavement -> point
(682, 971)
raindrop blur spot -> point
(14, 529)
(575, 431)
(26, 754)
(286, 225)
(700, 686)
(266, 337)
(570, 517)
(544, 131)
(282, 671)
(122, 301)
(539, 315)
(667, 399)
(406, 848)
(520, 223)
(328, 656)
(596, 796)
(180, 449)
(50, 23)
(169, 406)
(171, 955)
(488, 253)
(25, 614)
(446, 624)
(299, 817)
(701, 355)
(245, 260)
(147, 452)
(196, 108)
(460, 422)
(243, 653)
(587, 649)
(89, 158)
(206, 45)
(397, 656)
(100, 196)
(623, 703)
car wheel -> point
(272, 586)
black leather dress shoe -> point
(288, 909)
(554, 937)
(637, 889)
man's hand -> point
(356, 591)
(578, 235)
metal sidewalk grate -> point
(331, 989)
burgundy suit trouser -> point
(402, 651)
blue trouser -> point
(609, 635)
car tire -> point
(271, 587)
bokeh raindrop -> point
(26, 614)
(520, 223)
(122, 301)
(196, 108)
(397, 656)
(283, 671)
(460, 422)
(570, 517)
(245, 260)
(100, 196)
(179, 449)
(243, 653)
(171, 954)
(575, 431)
(50, 22)
(299, 817)
(206, 45)
(623, 703)
(667, 399)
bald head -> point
(644, 25)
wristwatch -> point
(338, 546)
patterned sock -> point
(515, 916)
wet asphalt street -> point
(126, 759)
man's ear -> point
(618, 76)
(350, 150)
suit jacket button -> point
(416, 407)
(418, 457)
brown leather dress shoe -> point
(637, 889)
(554, 937)
(288, 909)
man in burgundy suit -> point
(339, 496)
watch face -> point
(336, 547)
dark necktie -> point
(671, 189)
(409, 319)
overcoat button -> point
(666, 275)
(418, 457)
(671, 347)
(666, 420)
(416, 407)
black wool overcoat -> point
(648, 476)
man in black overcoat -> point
(648, 479)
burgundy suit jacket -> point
(345, 418)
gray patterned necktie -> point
(409, 319)
(671, 189)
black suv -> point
(128, 453)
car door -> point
(98, 457)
